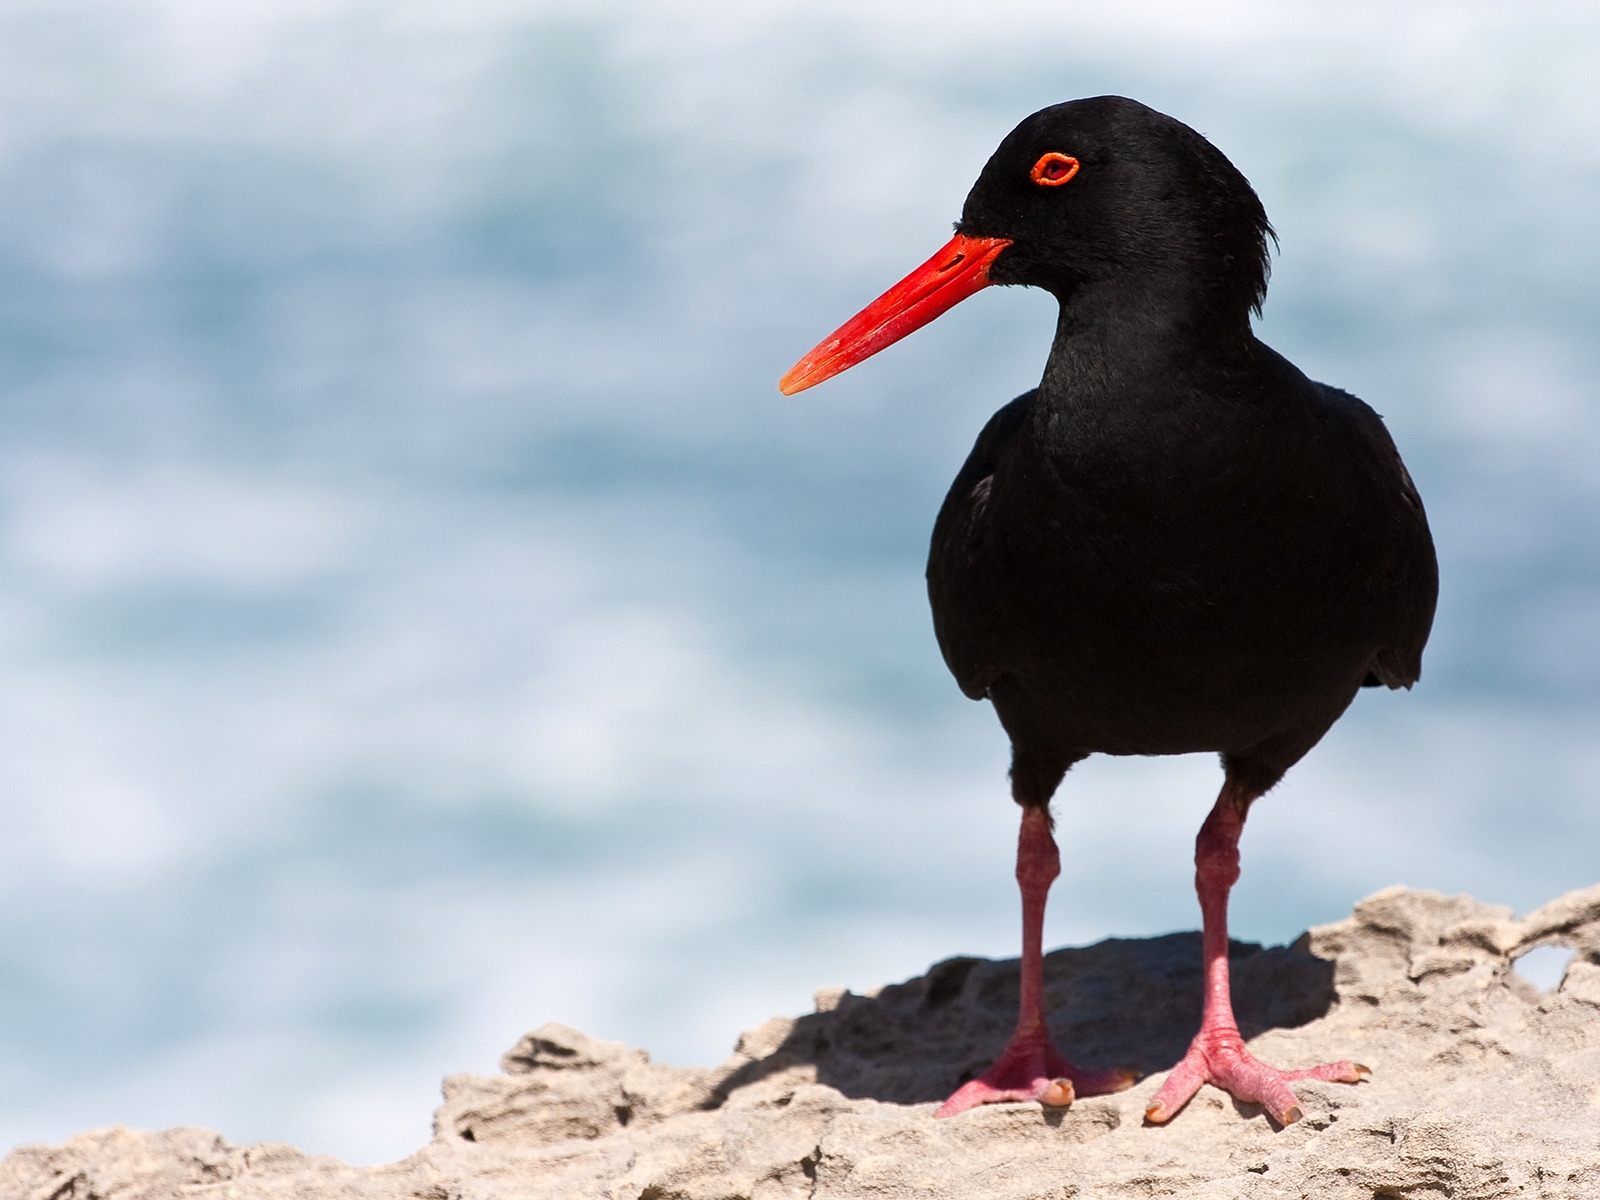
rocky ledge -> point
(1483, 1087)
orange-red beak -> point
(942, 282)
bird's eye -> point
(1053, 169)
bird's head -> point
(1082, 199)
(1109, 190)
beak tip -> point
(959, 269)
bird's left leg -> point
(1217, 1055)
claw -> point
(1058, 1094)
(1291, 1115)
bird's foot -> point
(1031, 1068)
(1218, 1057)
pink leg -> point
(1030, 1067)
(1217, 1054)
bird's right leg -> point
(1030, 1067)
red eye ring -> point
(1053, 169)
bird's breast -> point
(1157, 589)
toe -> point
(1180, 1086)
(1338, 1072)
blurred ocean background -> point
(421, 617)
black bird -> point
(1177, 542)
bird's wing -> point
(964, 611)
(1410, 581)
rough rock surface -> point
(1483, 1087)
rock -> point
(1484, 1087)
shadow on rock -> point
(1121, 1002)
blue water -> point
(421, 618)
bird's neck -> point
(1115, 336)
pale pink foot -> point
(1219, 1057)
(1031, 1068)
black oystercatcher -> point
(1176, 542)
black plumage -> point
(1177, 542)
